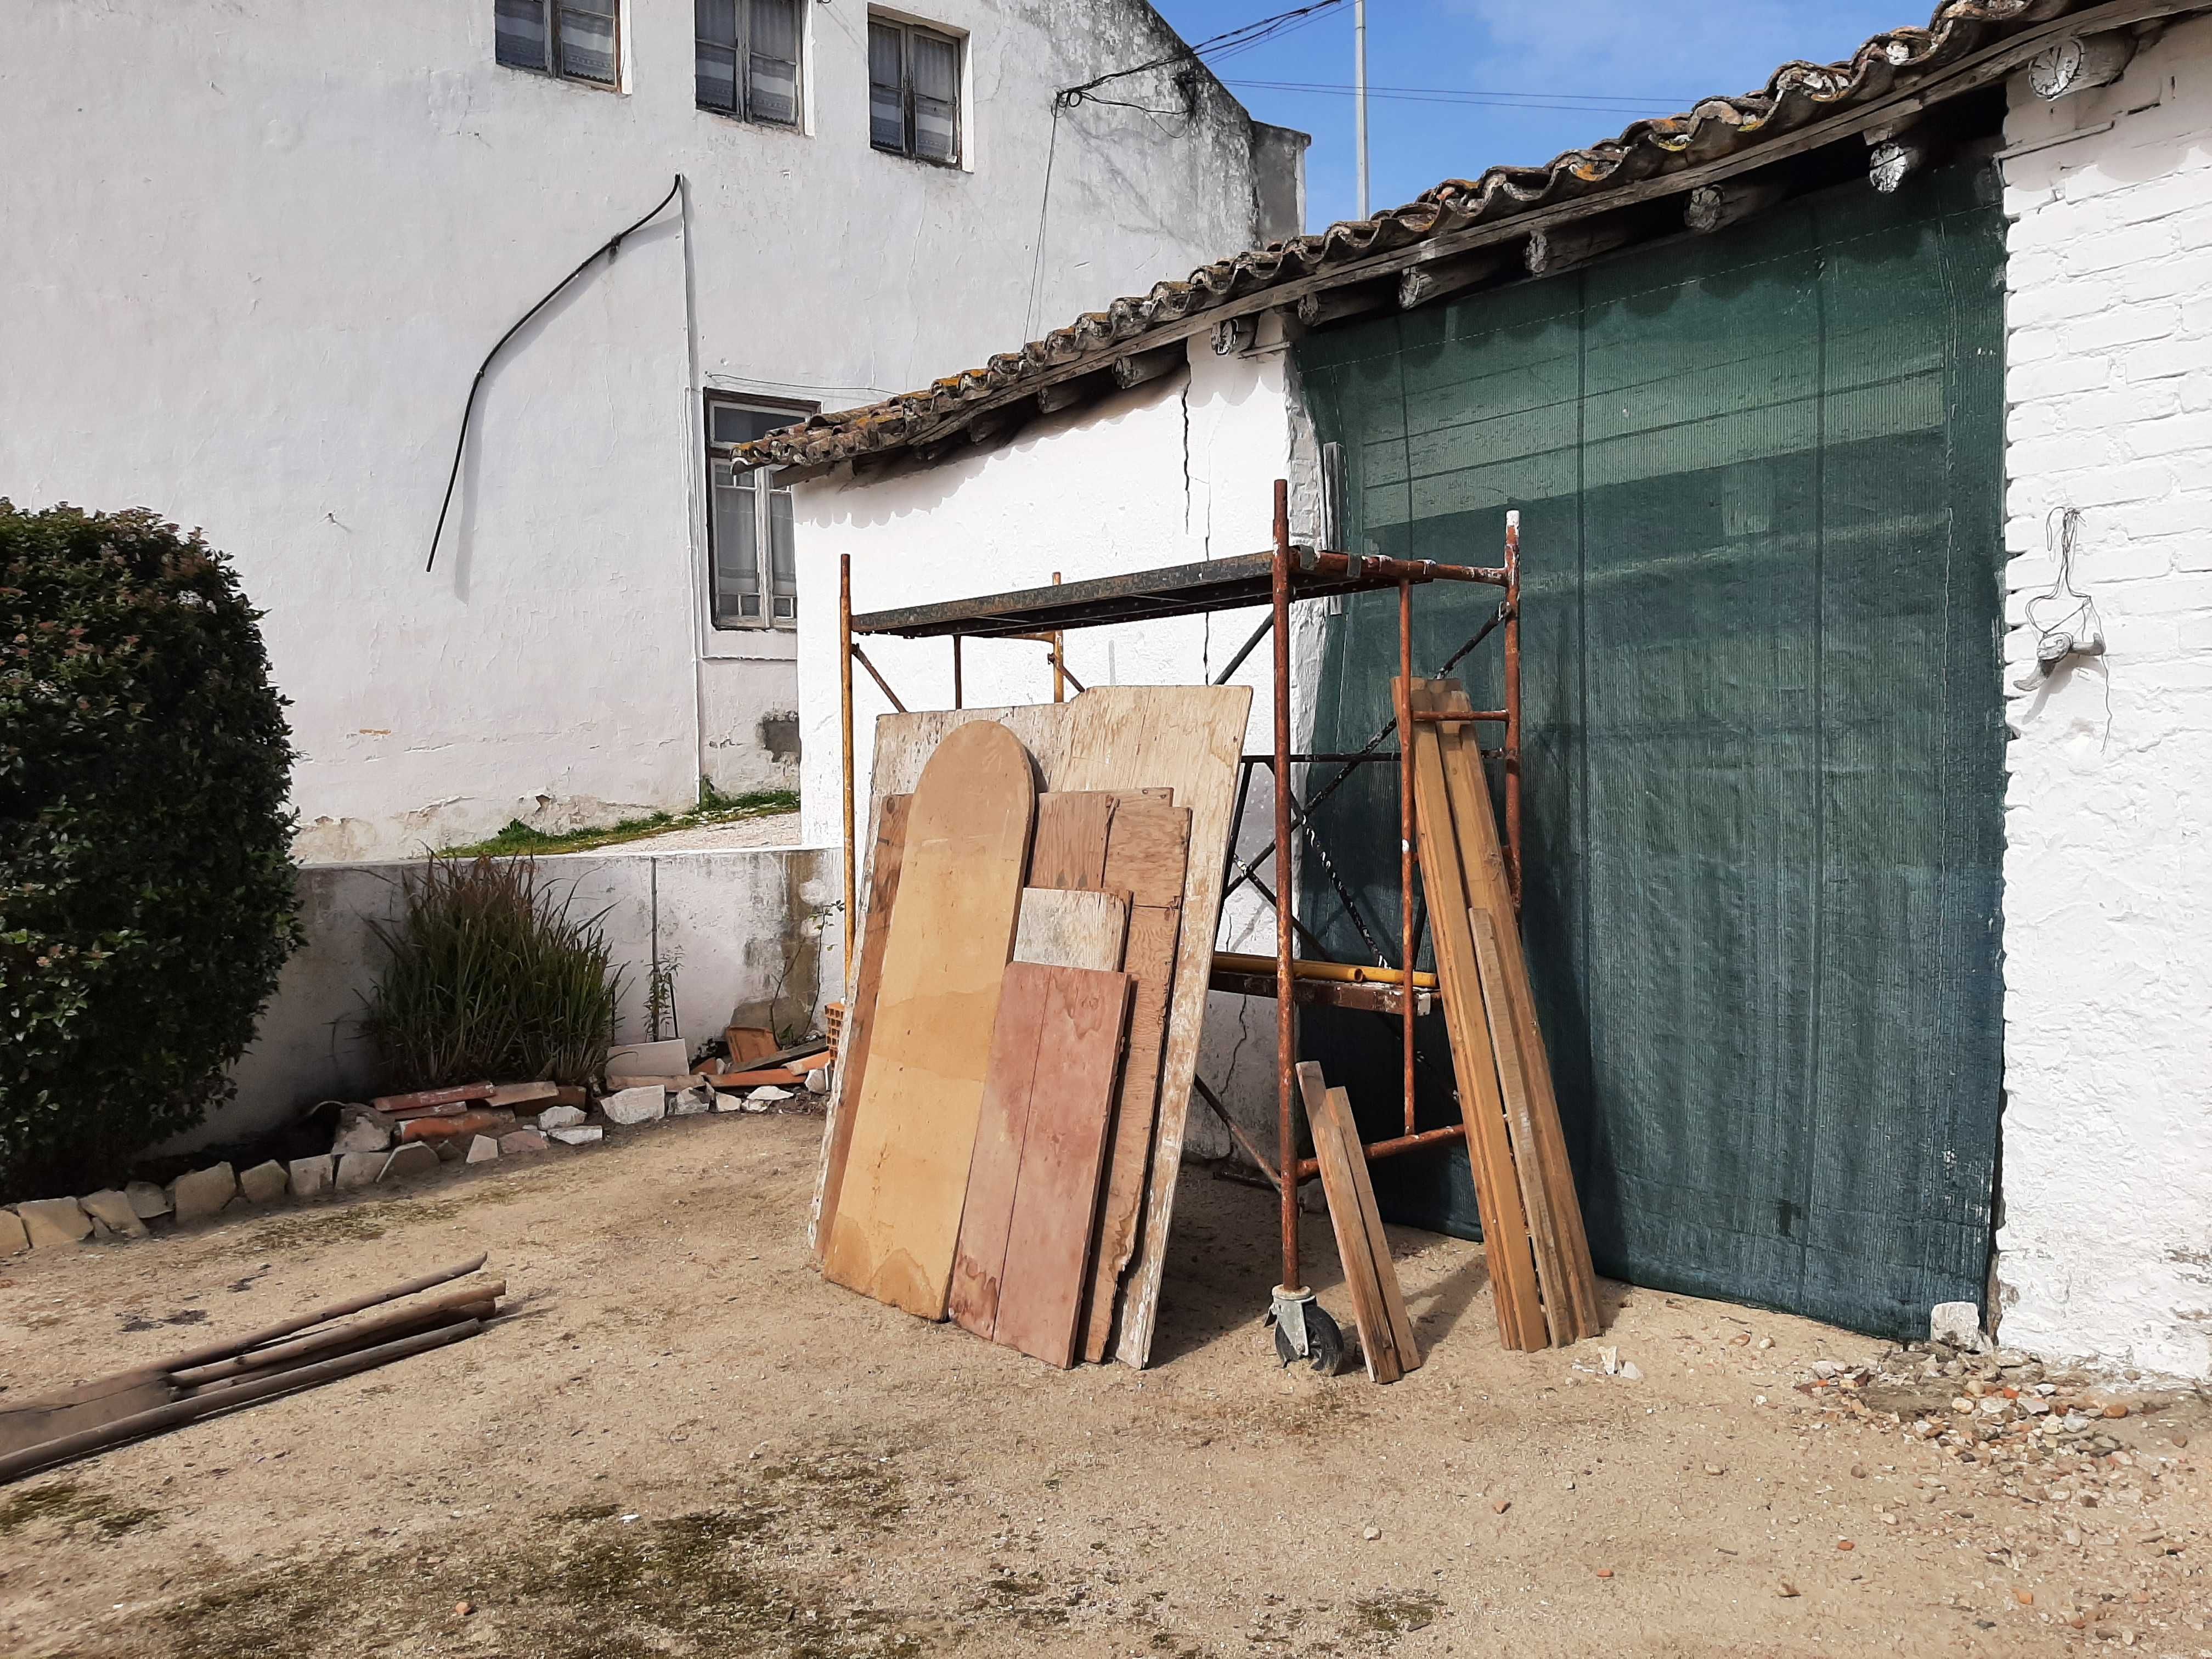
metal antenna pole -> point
(1359, 93)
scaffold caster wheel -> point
(1304, 1331)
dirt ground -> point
(684, 1441)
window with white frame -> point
(754, 577)
(747, 58)
(575, 40)
(914, 91)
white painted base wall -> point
(1173, 473)
(2106, 1241)
(754, 935)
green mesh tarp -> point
(1758, 477)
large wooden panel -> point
(951, 931)
(1148, 846)
(1042, 1293)
(1069, 849)
(1184, 739)
(887, 847)
(1059, 928)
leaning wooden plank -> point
(951, 933)
(888, 846)
(210, 1401)
(1553, 1277)
(1490, 1151)
(1069, 849)
(1484, 860)
(1403, 1337)
(1063, 929)
(1063, 1160)
(1343, 1171)
(1183, 738)
(1148, 845)
(994, 1167)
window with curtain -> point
(748, 59)
(574, 40)
(914, 91)
(755, 576)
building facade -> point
(1859, 426)
(258, 257)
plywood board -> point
(886, 845)
(1063, 929)
(1148, 845)
(897, 1220)
(1482, 857)
(1343, 1171)
(1490, 1152)
(1069, 849)
(1041, 1297)
(994, 1169)
(1185, 739)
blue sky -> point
(1581, 70)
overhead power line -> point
(1594, 104)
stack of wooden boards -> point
(1015, 1060)
(1532, 1222)
(223, 1376)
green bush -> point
(491, 978)
(146, 882)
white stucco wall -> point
(2106, 1241)
(1176, 471)
(255, 254)
(752, 934)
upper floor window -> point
(577, 39)
(914, 91)
(756, 576)
(748, 59)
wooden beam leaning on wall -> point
(1560, 1245)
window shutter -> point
(936, 98)
(520, 26)
(773, 91)
(886, 88)
(737, 551)
(782, 567)
(715, 29)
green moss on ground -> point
(518, 840)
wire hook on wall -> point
(2065, 618)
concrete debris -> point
(113, 1211)
(689, 1103)
(560, 1117)
(1631, 1371)
(13, 1238)
(1958, 1324)
(53, 1221)
(265, 1182)
(633, 1106)
(1609, 1359)
(769, 1092)
(147, 1201)
(359, 1169)
(731, 1102)
(412, 1159)
(313, 1175)
(522, 1141)
(818, 1080)
(483, 1150)
(202, 1193)
(578, 1137)
(363, 1129)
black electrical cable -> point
(613, 245)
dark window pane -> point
(773, 91)
(732, 423)
(588, 43)
(519, 26)
(737, 555)
(936, 67)
(886, 88)
(782, 566)
(716, 22)
(716, 77)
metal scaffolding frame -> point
(1277, 578)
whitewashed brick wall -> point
(2105, 1234)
